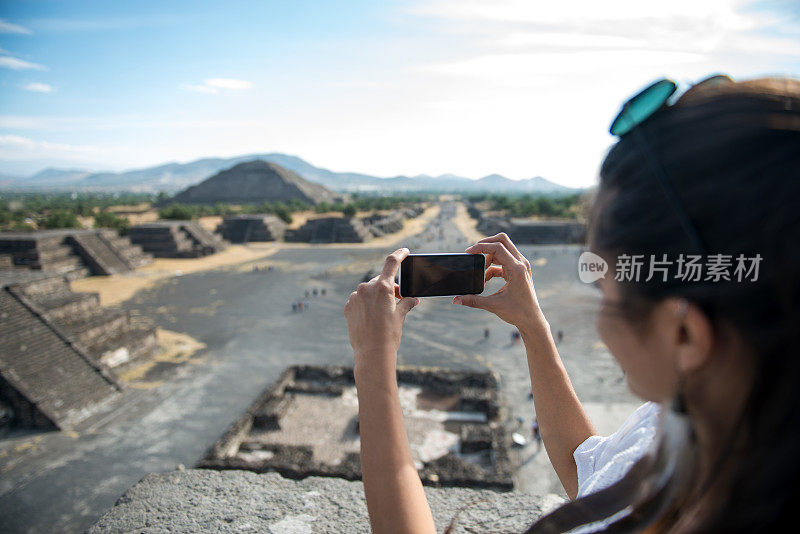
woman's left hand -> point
(375, 318)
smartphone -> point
(440, 275)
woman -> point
(715, 175)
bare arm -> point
(395, 498)
(563, 423)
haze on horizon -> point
(402, 87)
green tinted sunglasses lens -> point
(641, 106)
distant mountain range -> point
(173, 177)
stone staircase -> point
(175, 239)
(98, 255)
(45, 250)
(210, 242)
(331, 230)
(50, 380)
(73, 251)
(109, 335)
(131, 254)
(245, 228)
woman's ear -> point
(694, 336)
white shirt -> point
(602, 461)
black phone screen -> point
(434, 275)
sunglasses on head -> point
(637, 110)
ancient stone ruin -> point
(352, 230)
(380, 225)
(75, 251)
(254, 182)
(59, 350)
(388, 223)
(246, 228)
(176, 239)
(330, 230)
(306, 424)
(532, 232)
(48, 379)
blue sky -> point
(518, 87)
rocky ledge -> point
(199, 500)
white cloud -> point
(680, 25)
(521, 39)
(575, 12)
(546, 78)
(200, 88)
(533, 69)
(38, 87)
(72, 123)
(358, 84)
(228, 83)
(18, 147)
(213, 85)
(19, 64)
(7, 27)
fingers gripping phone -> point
(440, 275)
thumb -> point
(406, 303)
(473, 301)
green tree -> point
(106, 219)
(61, 219)
(282, 211)
(180, 212)
(349, 211)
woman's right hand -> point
(516, 301)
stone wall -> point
(306, 424)
(241, 501)
(533, 232)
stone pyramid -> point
(254, 182)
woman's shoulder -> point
(602, 460)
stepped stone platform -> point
(532, 232)
(176, 239)
(100, 252)
(245, 228)
(60, 345)
(49, 380)
(198, 500)
(330, 230)
(306, 424)
(380, 224)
